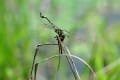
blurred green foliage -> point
(93, 25)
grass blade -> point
(36, 67)
(72, 56)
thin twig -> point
(36, 51)
(70, 61)
(72, 56)
(36, 67)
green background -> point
(93, 34)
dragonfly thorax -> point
(60, 34)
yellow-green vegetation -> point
(93, 34)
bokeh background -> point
(93, 34)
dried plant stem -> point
(35, 72)
(73, 66)
(34, 58)
(69, 59)
(72, 56)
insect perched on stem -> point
(59, 31)
(60, 37)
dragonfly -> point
(60, 40)
(60, 37)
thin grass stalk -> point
(71, 62)
(69, 59)
(35, 72)
(72, 56)
(34, 58)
